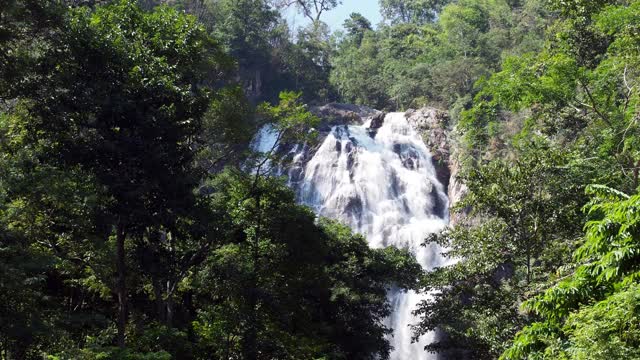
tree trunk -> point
(169, 304)
(121, 285)
(157, 292)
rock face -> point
(456, 190)
(432, 124)
(342, 114)
(377, 120)
(437, 135)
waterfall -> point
(381, 182)
(378, 179)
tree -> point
(25, 28)
(411, 11)
(436, 58)
(356, 26)
(107, 139)
(523, 222)
(357, 74)
(128, 116)
(312, 62)
(248, 28)
(311, 9)
(592, 311)
(575, 100)
(287, 287)
(268, 60)
(576, 96)
(24, 310)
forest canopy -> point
(138, 222)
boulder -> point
(333, 114)
(377, 120)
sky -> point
(368, 8)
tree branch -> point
(594, 105)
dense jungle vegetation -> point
(137, 223)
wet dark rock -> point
(409, 163)
(397, 148)
(377, 120)
(405, 205)
(354, 207)
(296, 174)
(333, 114)
(348, 147)
(351, 162)
(395, 185)
(438, 207)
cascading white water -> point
(382, 183)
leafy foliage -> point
(268, 60)
(578, 94)
(136, 223)
(525, 211)
(415, 11)
(432, 52)
(592, 312)
(120, 235)
(296, 287)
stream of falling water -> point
(382, 183)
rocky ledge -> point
(436, 132)
(333, 114)
(432, 124)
